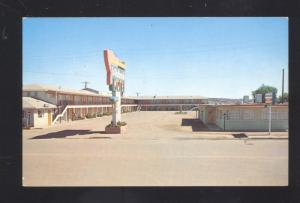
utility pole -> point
(85, 84)
(282, 86)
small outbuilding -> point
(36, 113)
(249, 117)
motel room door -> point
(49, 117)
(211, 115)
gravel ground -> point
(155, 151)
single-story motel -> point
(45, 105)
(37, 113)
(248, 117)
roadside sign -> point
(258, 98)
(269, 98)
(115, 69)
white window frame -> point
(40, 113)
(247, 114)
(277, 114)
(233, 114)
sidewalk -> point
(239, 135)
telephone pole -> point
(85, 84)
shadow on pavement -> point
(197, 125)
(240, 135)
(65, 133)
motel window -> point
(248, 115)
(51, 95)
(265, 114)
(279, 115)
(40, 113)
(233, 115)
(276, 114)
(282, 115)
(90, 100)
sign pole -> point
(115, 70)
(270, 118)
(116, 114)
(224, 121)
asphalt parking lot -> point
(156, 150)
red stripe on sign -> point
(107, 65)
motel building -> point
(69, 105)
(75, 104)
(169, 103)
(36, 113)
(252, 117)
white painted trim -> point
(84, 106)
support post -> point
(116, 108)
(270, 119)
(282, 90)
(224, 120)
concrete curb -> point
(233, 138)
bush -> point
(106, 114)
(77, 118)
(121, 123)
(99, 114)
(181, 112)
(90, 115)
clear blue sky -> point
(212, 57)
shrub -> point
(90, 115)
(99, 114)
(181, 112)
(77, 118)
(121, 123)
(106, 114)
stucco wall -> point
(41, 122)
(252, 124)
(202, 114)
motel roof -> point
(42, 87)
(258, 105)
(165, 97)
(53, 88)
(31, 103)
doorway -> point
(49, 117)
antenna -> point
(85, 84)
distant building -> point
(258, 98)
(37, 113)
(246, 99)
(169, 103)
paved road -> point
(155, 151)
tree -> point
(263, 89)
(285, 97)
